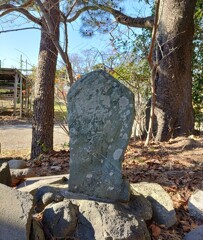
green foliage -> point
(132, 50)
(199, 10)
(197, 69)
(135, 76)
(4, 91)
(98, 66)
(65, 145)
(130, 44)
(43, 147)
(60, 104)
(99, 20)
(61, 75)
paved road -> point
(14, 137)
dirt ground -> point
(176, 165)
(16, 134)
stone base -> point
(103, 190)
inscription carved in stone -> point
(100, 118)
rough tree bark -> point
(173, 85)
(43, 112)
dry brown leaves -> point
(179, 171)
(54, 163)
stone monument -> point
(100, 118)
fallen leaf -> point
(156, 231)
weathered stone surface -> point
(195, 205)
(140, 205)
(162, 205)
(61, 219)
(37, 232)
(18, 175)
(33, 183)
(5, 176)
(195, 234)
(17, 164)
(100, 118)
(15, 214)
(105, 221)
(46, 195)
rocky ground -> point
(177, 166)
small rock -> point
(195, 234)
(60, 219)
(18, 175)
(17, 164)
(46, 195)
(195, 205)
(15, 214)
(32, 184)
(5, 176)
(56, 168)
(162, 205)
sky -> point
(25, 44)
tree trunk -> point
(43, 111)
(173, 86)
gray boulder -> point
(60, 219)
(140, 205)
(5, 176)
(100, 121)
(17, 164)
(195, 234)
(15, 214)
(46, 195)
(162, 205)
(195, 205)
(105, 221)
(37, 232)
(18, 175)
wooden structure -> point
(14, 87)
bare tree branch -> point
(153, 74)
(146, 22)
(8, 8)
(71, 8)
(66, 37)
(154, 34)
(80, 11)
(27, 4)
(19, 29)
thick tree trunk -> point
(43, 112)
(173, 109)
